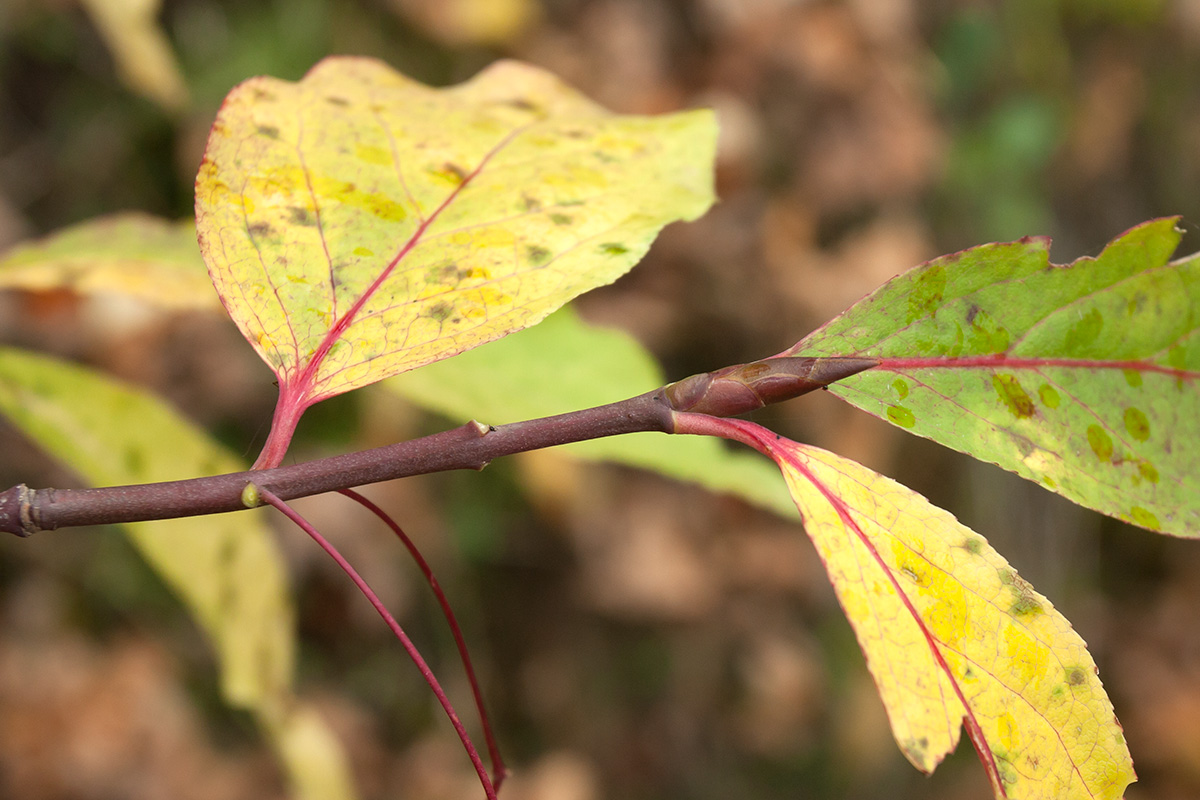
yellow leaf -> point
(140, 48)
(471, 22)
(133, 254)
(358, 224)
(952, 635)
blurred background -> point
(638, 638)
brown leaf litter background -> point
(639, 638)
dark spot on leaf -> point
(1100, 442)
(901, 387)
(972, 312)
(560, 219)
(522, 104)
(1019, 404)
(269, 131)
(1137, 424)
(262, 95)
(575, 133)
(986, 335)
(1147, 471)
(1076, 676)
(260, 229)
(916, 749)
(298, 215)
(927, 291)
(441, 311)
(901, 416)
(537, 255)
(1025, 602)
(973, 544)
(443, 274)
(456, 171)
(384, 207)
(1025, 606)
(334, 100)
(613, 249)
(531, 203)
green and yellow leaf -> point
(358, 224)
(227, 570)
(953, 637)
(1083, 377)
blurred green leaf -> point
(564, 364)
(227, 570)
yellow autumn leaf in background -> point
(358, 224)
(131, 254)
(953, 636)
(141, 50)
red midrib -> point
(304, 381)
(994, 361)
(974, 730)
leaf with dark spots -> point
(388, 181)
(1076, 376)
(1012, 395)
(954, 639)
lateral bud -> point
(15, 513)
(743, 388)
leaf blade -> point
(227, 570)
(929, 599)
(1081, 377)
(406, 241)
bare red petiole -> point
(499, 771)
(427, 673)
